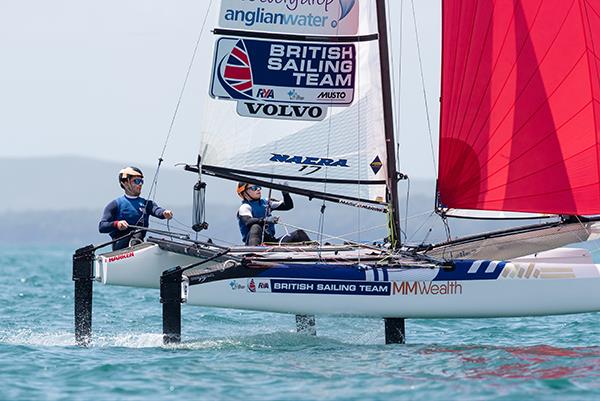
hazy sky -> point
(102, 79)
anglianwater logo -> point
(330, 17)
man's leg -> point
(254, 235)
(296, 236)
(122, 243)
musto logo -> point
(284, 80)
(327, 17)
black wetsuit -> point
(251, 218)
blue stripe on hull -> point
(465, 270)
(316, 271)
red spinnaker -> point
(520, 111)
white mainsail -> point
(303, 109)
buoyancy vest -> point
(259, 210)
(132, 210)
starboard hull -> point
(474, 289)
(418, 299)
(557, 282)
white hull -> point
(555, 282)
(478, 299)
(139, 266)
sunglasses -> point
(255, 188)
(138, 181)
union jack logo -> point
(237, 72)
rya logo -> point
(265, 93)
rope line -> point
(328, 236)
(427, 112)
(151, 194)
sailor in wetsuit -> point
(254, 216)
(129, 209)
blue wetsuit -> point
(135, 211)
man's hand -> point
(272, 220)
(168, 214)
(122, 225)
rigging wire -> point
(185, 227)
(154, 186)
(377, 227)
(425, 221)
(396, 76)
(359, 244)
(280, 245)
(321, 225)
(267, 212)
(427, 112)
(446, 227)
(151, 194)
(406, 212)
(358, 186)
(397, 80)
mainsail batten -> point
(519, 113)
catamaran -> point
(301, 99)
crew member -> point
(254, 217)
(129, 209)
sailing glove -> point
(271, 220)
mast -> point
(388, 119)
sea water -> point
(239, 355)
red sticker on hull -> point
(121, 256)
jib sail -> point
(520, 112)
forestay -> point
(296, 95)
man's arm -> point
(108, 222)
(159, 212)
(245, 216)
(249, 221)
(287, 204)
